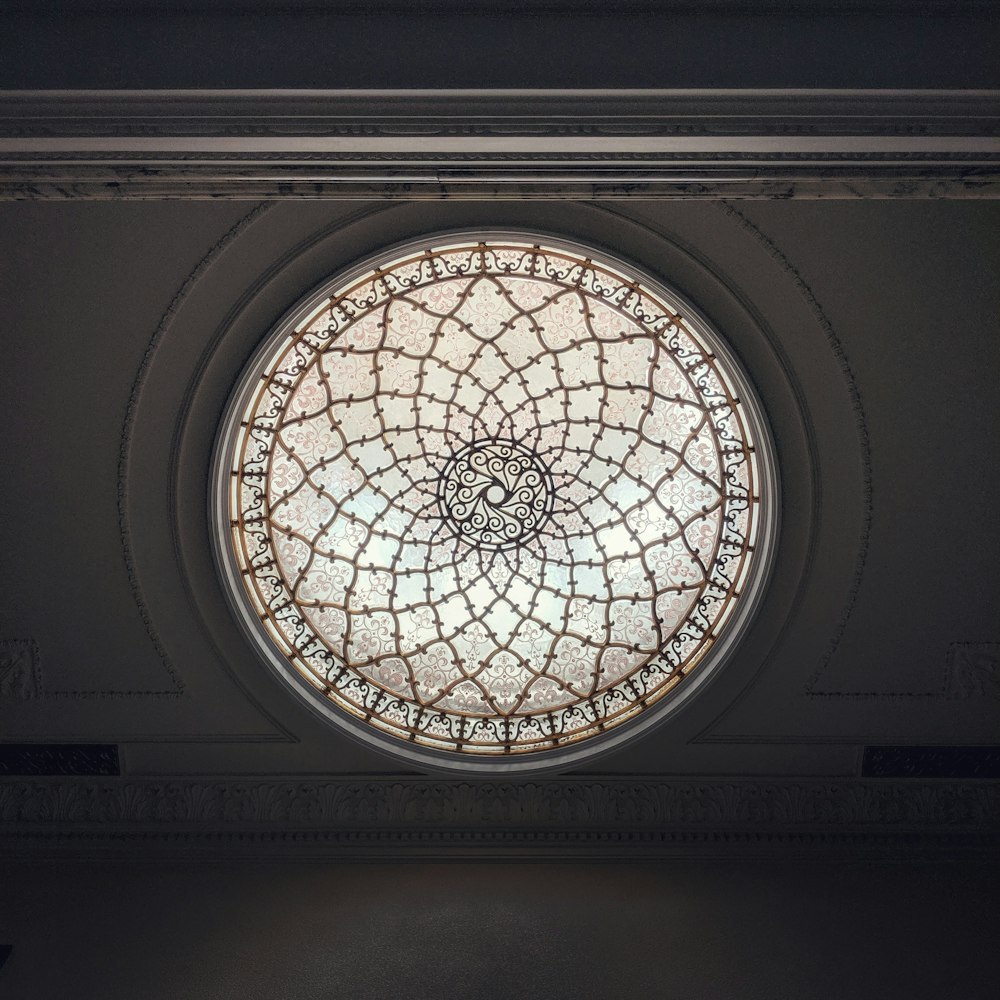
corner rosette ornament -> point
(492, 500)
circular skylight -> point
(491, 500)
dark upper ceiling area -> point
(439, 43)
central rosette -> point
(495, 493)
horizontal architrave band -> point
(614, 817)
(499, 144)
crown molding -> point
(408, 817)
(480, 145)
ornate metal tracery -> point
(493, 497)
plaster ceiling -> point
(866, 328)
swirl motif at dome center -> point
(493, 498)
(495, 493)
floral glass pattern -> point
(493, 497)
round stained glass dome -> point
(490, 501)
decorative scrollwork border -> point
(396, 815)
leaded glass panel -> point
(493, 497)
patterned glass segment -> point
(493, 497)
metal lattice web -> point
(494, 498)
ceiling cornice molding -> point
(499, 144)
(627, 817)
